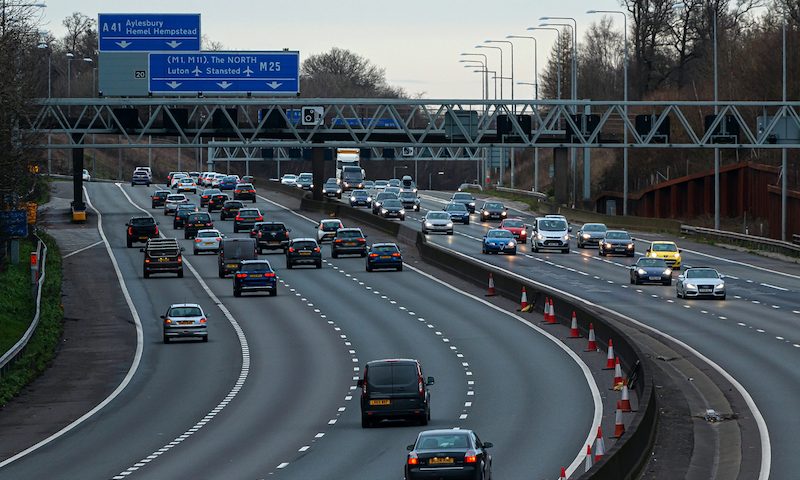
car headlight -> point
(539, 236)
(471, 204)
(378, 204)
(428, 224)
(586, 236)
(630, 246)
(566, 237)
(402, 211)
(512, 244)
(339, 190)
(691, 285)
(414, 190)
(449, 224)
(369, 199)
(383, 210)
(721, 286)
(653, 254)
(641, 271)
(668, 271)
(608, 245)
(352, 199)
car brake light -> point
(471, 456)
(259, 218)
(203, 320)
(412, 459)
(260, 234)
(219, 239)
(167, 321)
(146, 260)
(269, 275)
(373, 255)
(130, 230)
(291, 249)
(316, 249)
(156, 230)
(421, 386)
(396, 254)
(338, 240)
(237, 191)
(238, 217)
(180, 259)
(241, 275)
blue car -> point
(458, 212)
(651, 270)
(229, 182)
(499, 241)
(255, 276)
(384, 255)
(360, 198)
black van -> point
(234, 250)
(394, 388)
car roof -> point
(441, 431)
(349, 229)
(303, 239)
(250, 208)
(616, 231)
(258, 260)
(393, 360)
(663, 242)
(142, 216)
(330, 220)
(434, 211)
(385, 244)
(185, 305)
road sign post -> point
(146, 32)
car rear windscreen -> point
(274, 227)
(393, 378)
(184, 312)
(304, 245)
(142, 222)
(256, 267)
(238, 250)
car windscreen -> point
(462, 196)
(381, 183)
(456, 207)
(438, 216)
(239, 249)
(664, 247)
(701, 273)
(359, 193)
(244, 186)
(175, 198)
(256, 267)
(305, 177)
(408, 195)
(272, 227)
(392, 203)
(349, 234)
(493, 206)
(385, 195)
(617, 236)
(184, 312)
(442, 441)
(392, 378)
(500, 234)
(512, 224)
(331, 226)
(552, 225)
(233, 204)
(594, 227)
(142, 222)
(651, 262)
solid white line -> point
(775, 287)
(742, 264)
(82, 249)
(137, 357)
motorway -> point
(273, 391)
(754, 335)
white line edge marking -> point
(775, 287)
(137, 357)
(82, 249)
(598, 403)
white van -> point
(550, 234)
(407, 184)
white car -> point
(185, 320)
(177, 178)
(172, 202)
(186, 185)
(437, 221)
(326, 229)
(216, 179)
(208, 240)
(146, 170)
(86, 176)
(288, 179)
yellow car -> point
(666, 250)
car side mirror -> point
(569, 229)
(679, 250)
(288, 229)
(360, 383)
(141, 250)
(410, 447)
(488, 444)
(647, 252)
(632, 267)
(163, 317)
(158, 223)
(182, 249)
(680, 277)
(430, 381)
(127, 225)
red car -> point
(517, 227)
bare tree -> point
(211, 45)
(556, 78)
(600, 62)
(342, 73)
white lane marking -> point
(742, 264)
(283, 465)
(775, 287)
(82, 249)
(303, 448)
(779, 338)
(137, 357)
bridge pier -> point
(78, 207)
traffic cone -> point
(523, 303)
(619, 427)
(592, 347)
(491, 292)
(617, 374)
(625, 402)
(610, 357)
(573, 329)
(588, 463)
(599, 446)
(551, 316)
(563, 475)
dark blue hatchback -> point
(255, 276)
(384, 255)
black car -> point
(409, 199)
(384, 255)
(458, 212)
(651, 270)
(232, 252)
(159, 198)
(360, 198)
(349, 241)
(591, 234)
(332, 189)
(244, 191)
(270, 236)
(466, 198)
(493, 211)
(394, 389)
(617, 241)
(162, 255)
(379, 199)
(230, 208)
(392, 208)
(246, 219)
(206, 194)
(195, 222)
(216, 201)
(182, 213)
(255, 276)
(451, 453)
(303, 251)
(141, 229)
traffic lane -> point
(300, 373)
(97, 449)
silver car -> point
(700, 282)
(185, 320)
(437, 221)
(591, 234)
(172, 202)
(207, 240)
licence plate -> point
(274, 242)
(351, 244)
(209, 243)
(654, 278)
(380, 402)
(143, 237)
(705, 289)
(441, 461)
(232, 265)
(255, 275)
(386, 257)
(305, 253)
(185, 322)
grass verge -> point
(43, 345)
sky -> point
(417, 42)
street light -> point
(512, 62)
(501, 63)
(94, 74)
(430, 179)
(45, 46)
(486, 65)
(625, 107)
(535, 64)
(558, 47)
(574, 27)
(484, 78)
(70, 56)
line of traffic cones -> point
(599, 445)
(524, 306)
(549, 312)
(625, 400)
(587, 464)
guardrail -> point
(16, 350)
(791, 249)
(537, 195)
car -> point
(85, 176)
(216, 179)
(617, 241)
(458, 212)
(194, 176)
(393, 208)
(186, 185)
(360, 198)
(379, 185)
(349, 241)
(271, 236)
(470, 186)
(369, 184)
(455, 453)
(303, 251)
(391, 189)
(176, 178)
(410, 200)
(230, 208)
(407, 184)
(384, 255)
(550, 233)
(255, 276)
(394, 182)
(377, 202)
(326, 229)
(669, 251)
(229, 182)
(162, 255)
(493, 210)
(169, 177)
(247, 179)
(158, 198)
(700, 282)
(195, 222)
(172, 201)
(394, 388)
(650, 270)
(148, 170)
(140, 177)
(233, 251)
(245, 191)
(203, 179)
(591, 234)
(464, 198)
(207, 240)
(498, 240)
(289, 179)
(437, 221)
(182, 213)
(332, 189)
(140, 229)
(206, 194)
(216, 201)
(517, 227)
(246, 218)
(185, 320)
(305, 181)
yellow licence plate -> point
(441, 461)
(185, 322)
(380, 402)
(255, 275)
(305, 253)
(386, 256)
(232, 265)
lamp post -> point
(511, 44)
(485, 65)
(481, 71)
(574, 28)
(430, 179)
(94, 70)
(501, 63)
(625, 62)
(536, 97)
(784, 159)
(558, 46)
(45, 46)
(484, 78)
(70, 56)
(513, 106)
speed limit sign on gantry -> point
(312, 116)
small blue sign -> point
(14, 223)
(264, 73)
(148, 32)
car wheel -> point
(369, 268)
(221, 273)
(566, 250)
(166, 339)
(194, 252)
(400, 268)
(535, 248)
(724, 297)
(580, 245)
(450, 232)
(602, 253)
(289, 265)
(319, 264)
(483, 251)
(424, 232)
(237, 292)
(334, 255)
(235, 229)
(668, 283)
(403, 218)
(678, 293)
(635, 281)
(254, 200)
(205, 339)
(423, 419)
(365, 421)
(630, 254)
(363, 254)
(180, 273)
(146, 274)
(514, 252)
(273, 292)
(222, 216)
(185, 235)
(129, 243)
(466, 222)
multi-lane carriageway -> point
(273, 391)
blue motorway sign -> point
(265, 73)
(147, 32)
(14, 223)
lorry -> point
(349, 173)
